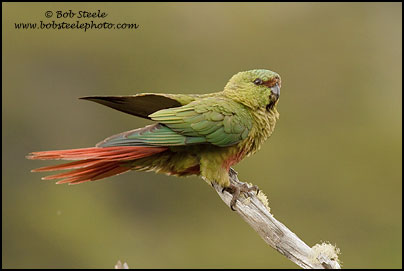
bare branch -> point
(255, 211)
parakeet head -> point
(255, 88)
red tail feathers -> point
(94, 163)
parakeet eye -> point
(258, 82)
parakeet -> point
(192, 135)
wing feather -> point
(218, 121)
(221, 122)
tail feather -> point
(107, 170)
(72, 165)
(111, 153)
(93, 163)
(85, 170)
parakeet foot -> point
(236, 190)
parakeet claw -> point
(236, 190)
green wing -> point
(218, 121)
(155, 135)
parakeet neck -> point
(265, 121)
(241, 97)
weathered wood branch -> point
(255, 211)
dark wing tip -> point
(99, 98)
(87, 97)
(141, 105)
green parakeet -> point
(192, 135)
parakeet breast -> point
(264, 125)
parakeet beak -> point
(273, 98)
(276, 90)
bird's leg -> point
(237, 189)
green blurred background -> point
(332, 169)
